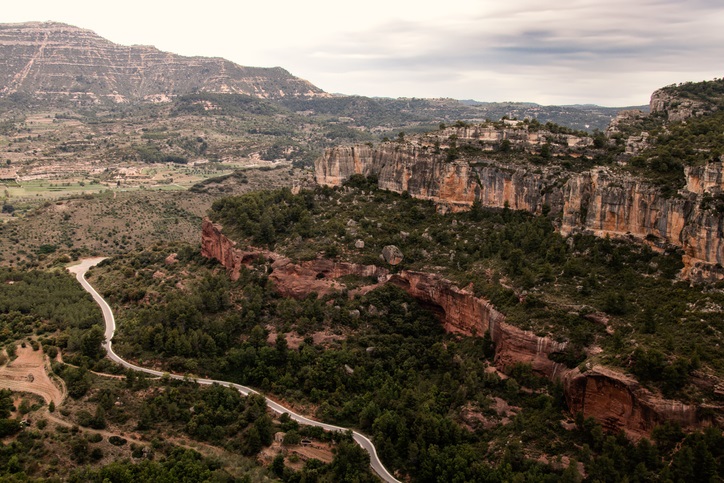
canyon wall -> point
(290, 279)
(597, 200)
(611, 397)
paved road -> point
(362, 440)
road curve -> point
(110, 321)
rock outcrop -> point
(619, 402)
(53, 60)
(677, 108)
(392, 255)
(611, 397)
(596, 200)
(290, 279)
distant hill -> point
(585, 117)
(57, 61)
(50, 62)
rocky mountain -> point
(58, 61)
(605, 199)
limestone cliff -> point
(54, 60)
(596, 200)
(619, 402)
(613, 398)
(674, 107)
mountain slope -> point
(55, 60)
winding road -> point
(362, 440)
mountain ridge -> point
(55, 60)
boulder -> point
(392, 255)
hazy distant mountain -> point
(50, 61)
(58, 61)
(577, 116)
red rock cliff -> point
(290, 279)
(613, 398)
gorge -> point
(616, 400)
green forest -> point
(539, 279)
(398, 377)
(50, 311)
(382, 363)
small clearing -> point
(28, 373)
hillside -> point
(436, 351)
(656, 178)
(55, 61)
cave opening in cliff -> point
(436, 309)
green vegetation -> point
(710, 92)
(50, 305)
(382, 363)
(179, 465)
(676, 145)
(540, 280)
(8, 426)
(393, 372)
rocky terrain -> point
(602, 200)
(54, 60)
(616, 400)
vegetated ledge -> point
(598, 201)
(615, 399)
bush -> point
(95, 438)
(117, 440)
(9, 427)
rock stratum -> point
(597, 200)
(53, 60)
(613, 398)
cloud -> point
(558, 51)
(583, 45)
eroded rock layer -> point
(54, 60)
(596, 200)
(611, 397)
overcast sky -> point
(612, 52)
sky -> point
(611, 53)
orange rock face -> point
(296, 280)
(320, 276)
(596, 201)
(611, 397)
(216, 245)
(619, 402)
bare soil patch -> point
(28, 373)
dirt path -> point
(28, 373)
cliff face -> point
(596, 200)
(54, 60)
(619, 402)
(454, 185)
(290, 279)
(614, 399)
(676, 108)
